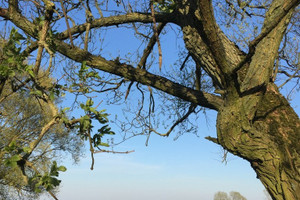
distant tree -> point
(221, 196)
(236, 196)
(233, 196)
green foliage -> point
(81, 80)
(49, 180)
(85, 123)
(167, 6)
(23, 116)
(84, 73)
(12, 161)
(39, 20)
(13, 152)
(12, 60)
(104, 130)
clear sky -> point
(188, 168)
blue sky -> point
(188, 168)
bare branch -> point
(67, 22)
(147, 52)
(184, 62)
(98, 8)
(114, 152)
(269, 25)
(44, 130)
(140, 75)
(290, 76)
(150, 45)
(91, 149)
(212, 139)
(184, 117)
(117, 20)
(156, 35)
(43, 34)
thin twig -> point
(91, 150)
(67, 22)
(290, 78)
(190, 111)
(156, 35)
(150, 45)
(128, 89)
(147, 52)
(98, 8)
(184, 62)
(114, 152)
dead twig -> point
(156, 35)
(67, 22)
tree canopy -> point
(234, 58)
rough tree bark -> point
(255, 121)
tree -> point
(237, 196)
(221, 196)
(233, 196)
(23, 117)
(238, 56)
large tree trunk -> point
(256, 122)
(270, 142)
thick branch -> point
(224, 50)
(134, 74)
(273, 18)
(276, 13)
(262, 59)
(140, 75)
(225, 53)
(117, 20)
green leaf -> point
(11, 147)
(52, 96)
(26, 149)
(62, 168)
(19, 37)
(29, 70)
(12, 161)
(104, 144)
(15, 158)
(89, 102)
(37, 93)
